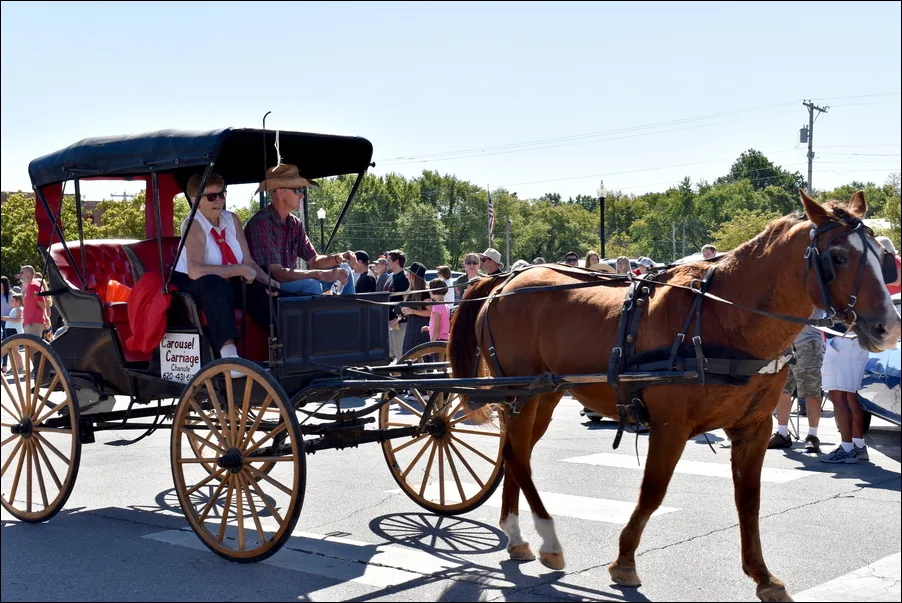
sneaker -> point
(812, 444)
(840, 456)
(862, 453)
(779, 440)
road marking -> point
(879, 581)
(560, 505)
(624, 461)
(338, 558)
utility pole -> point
(673, 256)
(125, 196)
(810, 137)
(684, 238)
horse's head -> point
(846, 271)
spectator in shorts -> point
(35, 306)
(805, 379)
(844, 362)
(439, 318)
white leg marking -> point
(545, 528)
(511, 528)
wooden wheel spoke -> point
(204, 481)
(206, 419)
(230, 401)
(257, 421)
(460, 487)
(492, 434)
(12, 456)
(441, 472)
(37, 465)
(245, 409)
(240, 515)
(214, 399)
(56, 479)
(12, 495)
(428, 468)
(419, 397)
(410, 443)
(260, 475)
(26, 406)
(14, 415)
(45, 399)
(9, 392)
(225, 510)
(466, 464)
(52, 448)
(416, 459)
(242, 481)
(28, 474)
(272, 510)
(476, 452)
(203, 442)
(213, 499)
(410, 408)
(267, 437)
(9, 439)
(39, 378)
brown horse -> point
(573, 332)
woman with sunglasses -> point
(215, 252)
(471, 271)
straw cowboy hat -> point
(284, 175)
(492, 254)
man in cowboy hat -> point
(491, 261)
(276, 238)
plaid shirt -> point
(272, 241)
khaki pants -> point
(36, 329)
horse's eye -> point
(838, 259)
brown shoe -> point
(779, 441)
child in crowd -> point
(439, 318)
(14, 321)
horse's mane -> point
(783, 227)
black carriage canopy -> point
(239, 155)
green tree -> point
(744, 226)
(752, 165)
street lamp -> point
(321, 214)
(602, 193)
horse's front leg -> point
(749, 445)
(666, 440)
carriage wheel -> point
(456, 465)
(238, 510)
(40, 449)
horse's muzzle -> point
(878, 334)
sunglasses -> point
(571, 261)
(211, 197)
(471, 263)
(297, 191)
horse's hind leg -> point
(749, 444)
(517, 548)
(666, 441)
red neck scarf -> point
(228, 256)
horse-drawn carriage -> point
(238, 443)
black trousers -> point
(218, 299)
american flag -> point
(491, 219)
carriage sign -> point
(179, 356)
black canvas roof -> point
(236, 153)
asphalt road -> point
(122, 536)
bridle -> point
(824, 263)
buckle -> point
(699, 282)
(852, 301)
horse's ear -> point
(816, 213)
(858, 207)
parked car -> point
(880, 388)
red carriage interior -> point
(126, 261)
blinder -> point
(889, 268)
(828, 270)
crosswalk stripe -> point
(879, 581)
(624, 461)
(563, 505)
(338, 558)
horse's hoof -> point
(624, 576)
(521, 552)
(773, 592)
(553, 561)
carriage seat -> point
(126, 261)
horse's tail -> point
(463, 346)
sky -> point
(532, 97)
